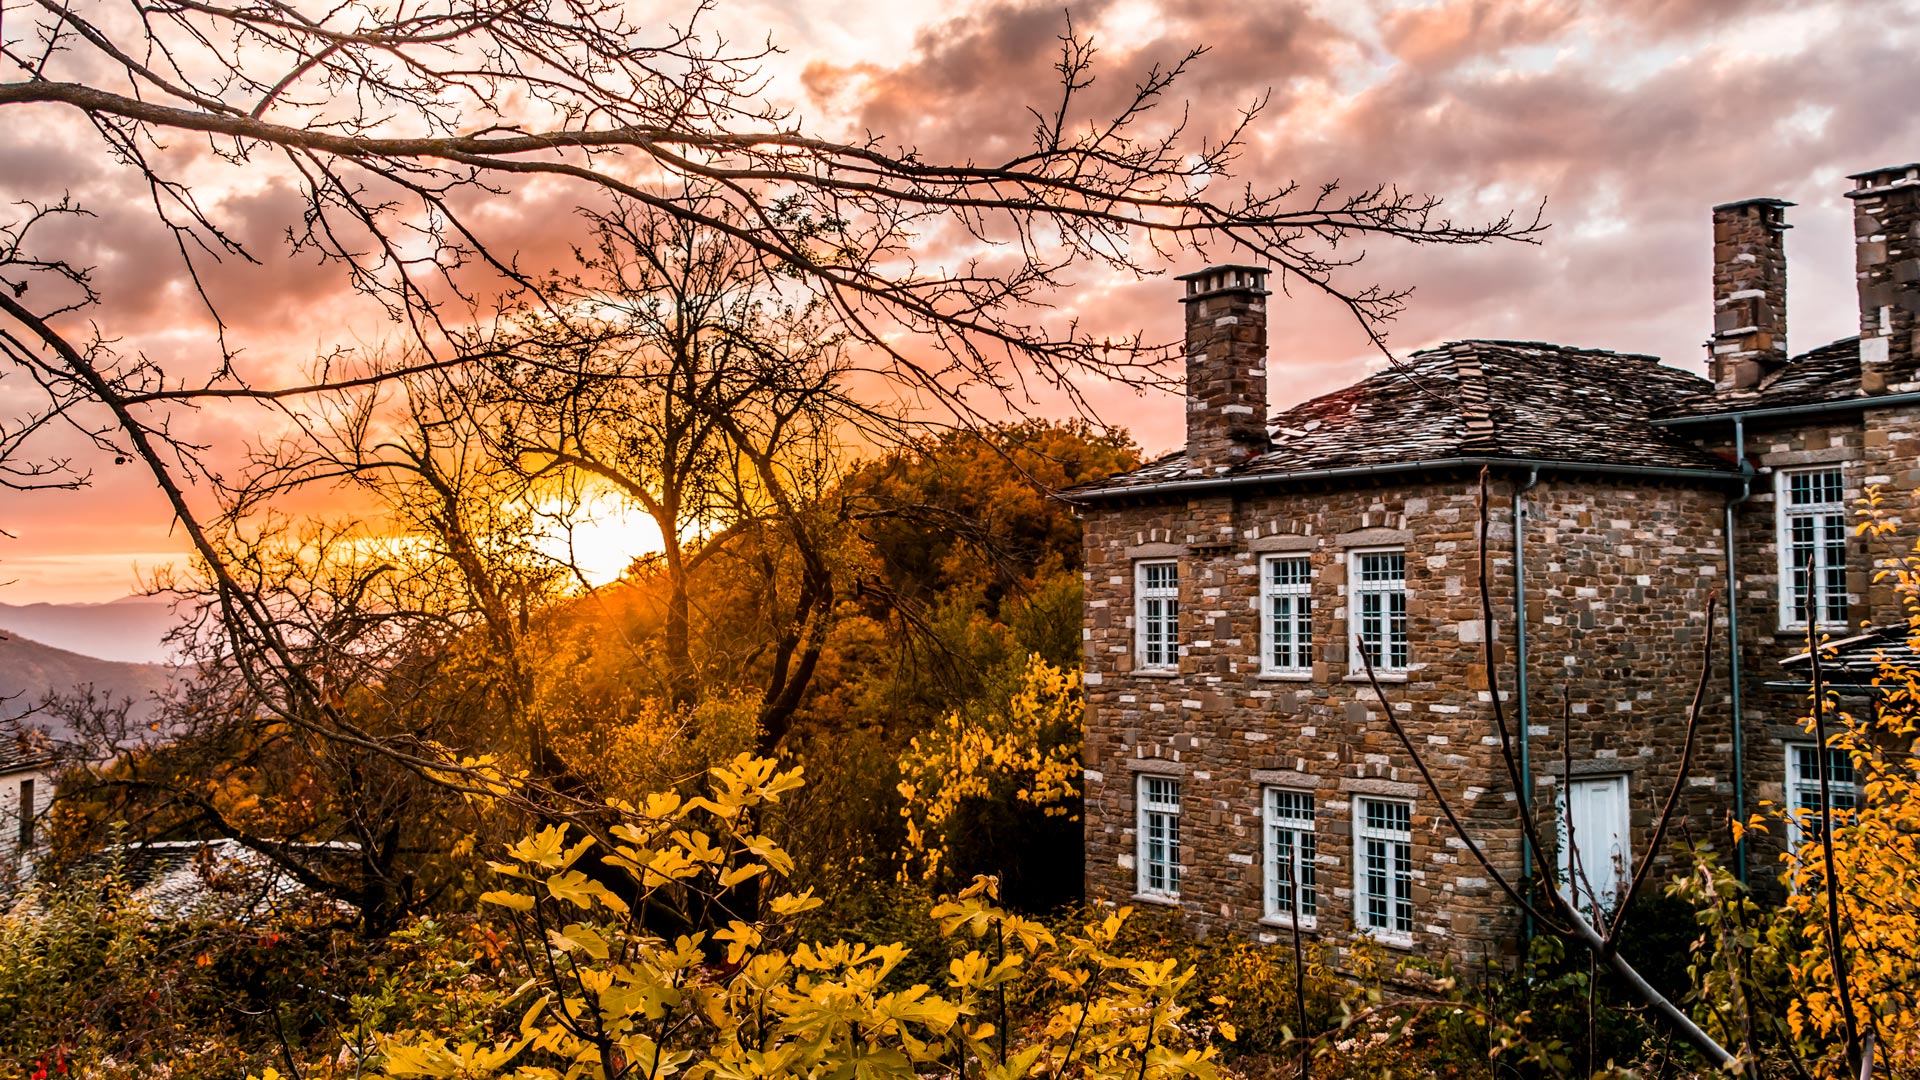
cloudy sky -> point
(1628, 118)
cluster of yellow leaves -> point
(729, 997)
(1875, 850)
(1876, 869)
(1029, 748)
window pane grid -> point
(1288, 584)
(1291, 848)
(1814, 542)
(1159, 827)
(1386, 867)
(1158, 607)
(1803, 782)
(1380, 594)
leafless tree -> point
(398, 123)
(232, 755)
(682, 379)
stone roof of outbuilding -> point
(23, 750)
(221, 878)
(1472, 400)
(1856, 661)
(1830, 373)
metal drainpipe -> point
(1733, 645)
(1520, 675)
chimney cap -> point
(1218, 268)
(1226, 277)
(1768, 201)
(1873, 180)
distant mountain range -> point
(30, 670)
(129, 630)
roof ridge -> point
(1555, 346)
(1850, 339)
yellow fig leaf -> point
(512, 900)
(581, 891)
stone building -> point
(1240, 765)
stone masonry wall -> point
(1618, 577)
(1770, 715)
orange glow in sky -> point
(1629, 118)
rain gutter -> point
(1811, 408)
(1204, 483)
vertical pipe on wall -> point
(1733, 645)
(1520, 663)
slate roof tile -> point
(183, 879)
(1494, 399)
(1856, 661)
(1828, 373)
(23, 749)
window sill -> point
(1160, 899)
(1391, 941)
(1286, 676)
(1824, 628)
(1152, 673)
(1381, 676)
(1284, 922)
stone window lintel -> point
(1374, 538)
(1286, 778)
(1370, 785)
(1283, 543)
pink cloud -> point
(1630, 119)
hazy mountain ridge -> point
(129, 630)
(30, 670)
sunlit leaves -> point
(434, 1059)
(743, 1001)
(1776, 964)
(581, 891)
(1026, 751)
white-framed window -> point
(1377, 603)
(1158, 835)
(1803, 789)
(1596, 848)
(1156, 614)
(1286, 589)
(1291, 891)
(1383, 867)
(1812, 544)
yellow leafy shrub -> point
(1026, 750)
(674, 957)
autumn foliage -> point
(607, 996)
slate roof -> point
(1854, 661)
(22, 750)
(1830, 373)
(181, 879)
(1480, 400)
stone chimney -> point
(1886, 238)
(1226, 365)
(1749, 293)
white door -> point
(1596, 860)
